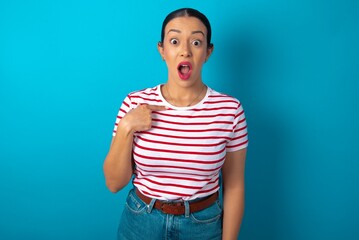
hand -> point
(140, 118)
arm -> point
(118, 166)
(118, 163)
(233, 193)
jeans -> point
(143, 222)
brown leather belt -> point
(178, 208)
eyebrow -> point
(178, 31)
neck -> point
(183, 97)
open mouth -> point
(184, 70)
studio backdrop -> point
(66, 66)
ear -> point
(209, 51)
(160, 50)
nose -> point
(186, 50)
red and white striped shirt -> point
(181, 156)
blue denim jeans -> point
(140, 221)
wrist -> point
(125, 128)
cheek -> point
(168, 54)
(202, 53)
(202, 57)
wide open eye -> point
(197, 43)
(174, 41)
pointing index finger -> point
(157, 107)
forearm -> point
(118, 163)
(233, 208)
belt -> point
(178, 208)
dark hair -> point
(188, 12)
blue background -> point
(65, 67)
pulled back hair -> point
(188, 12)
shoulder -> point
(216, 97)
(147, 95)
(144, 92)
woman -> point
(175, 138)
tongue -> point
(184, 69)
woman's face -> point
(184, 49)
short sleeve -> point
(124, 109)
(239, 139)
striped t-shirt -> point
(181, 156)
